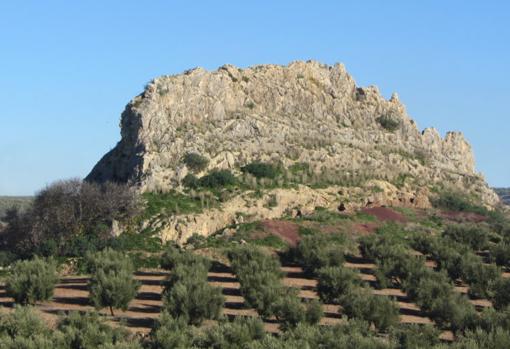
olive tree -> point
(31, 281)
(260, 277)
(187, 294)
(112, 283)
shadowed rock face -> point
(303, 112)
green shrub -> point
(260, 289)
(22, 329)
(429, 289)
(190, 181)
(323, 215)
(394, 261)
(480, 277)
(495, 339)
(299, 167)
(261, 170)
(289, 311)
(260, 278)
(112, 283)
(435, 296)
(491, 318)
(458, 202)
(350, 334)
(501, 297)
(217, 179)
(474, 236)
(360, 303)
(32, 281)
(453, 311)
(89, 331)
(196, 241)
(170, 332)
(314, 312)
(396, 266)
(242, 256)
(334, 282)
(187, 294)
(23, 322)
(173, 256)
(412, 336)
(500, 254)
(239, 333)
(171, 203)
(195, 162)
(448, 257)
(383, 244)
(7, 258)
(389, 122)
(33, 342)
(318, 251)
(423, 243)
(190, 297)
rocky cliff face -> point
(305, 112)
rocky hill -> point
(305, 112)
(304, 115)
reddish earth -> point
(385, 214)
(287, 231)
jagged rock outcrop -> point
(304, 112)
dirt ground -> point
(287, 231)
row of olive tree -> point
(323, 256)
(111, 283)
(23, 329)
(453, 254)
(260, 277)
(187, 295)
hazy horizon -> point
(68, 69)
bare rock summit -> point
(306, 113)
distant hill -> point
(504, 194)
(6, 202)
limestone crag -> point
(305, 112)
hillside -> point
(288, 139)
(321, 256)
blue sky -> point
(67, 68)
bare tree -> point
(67, 209)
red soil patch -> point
(385, 214)
(287, 231)
(463, 216)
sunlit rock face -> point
(304, 112)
